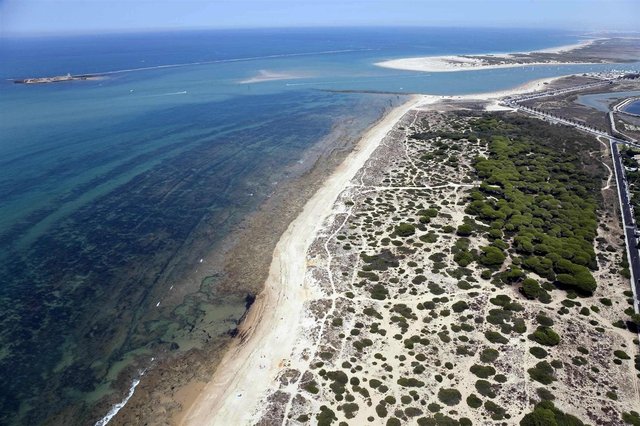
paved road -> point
(555, 92)
(628, 222)
(555, 119)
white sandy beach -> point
(452, 63)
(270, 330)
(492, 98)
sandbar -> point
(453, 63)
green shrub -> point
(412, 411)
(311, 387)
(546, 414)
(464, 230)
(473, 401)
(500, 378)
(489, 355)
(405, 229)
(543, 372)
(632, 418)
(431, 212)
(350, 410)
(326, 416)
(605, 301)
(491, 257)
(380, 262)
(519, 325)
(545, 395)
(484, 388)
(486, 274)
(545, 336)
(495, 337)
(434, 408)
(410, 382)
(544, 320)
(449, 396)
(459, 306)
(531, 289)
(538, 352)
(482, 371)
(381, 410)
(621, 354)
(379, 292)
(498, 412)
(393, 421)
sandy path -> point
(270, 330)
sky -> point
(33, 17)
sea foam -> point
(117, 407)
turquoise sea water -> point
(111, 189)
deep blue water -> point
(111, 190)
(633, 108)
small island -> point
(57, 79)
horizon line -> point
(124, 31)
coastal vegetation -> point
(476, 285)
(541, 199)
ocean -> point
(117, 194)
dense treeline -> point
(539, 195)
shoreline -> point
(492, 98)
(568, 47)
(231, 390)
(472, 62)
(240, 264)
(267, 336)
